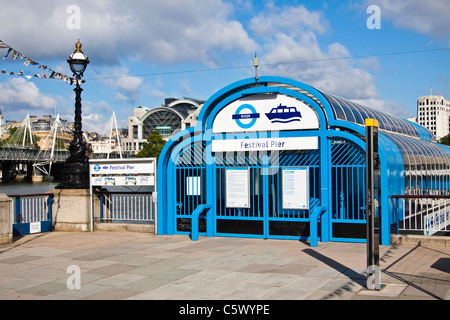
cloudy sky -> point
(144, 51)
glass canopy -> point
(426, 163)
(356, 113)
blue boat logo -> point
(283, 114)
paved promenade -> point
(137, 266)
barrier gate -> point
(32, 213)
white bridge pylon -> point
(22, 145)
(112, 124)
(110, 136)
(48, 154)
(50, 150)
(27, 129)
(19, 138)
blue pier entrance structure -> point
(277, 158)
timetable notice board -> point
(295, 188)
(237, 188)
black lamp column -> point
(75, 174)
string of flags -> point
(43, 73)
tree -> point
(153, 146)
(445, 140)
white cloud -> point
(155, 93)
(292, 50)
(290, 40)
(126, 86)
(288, 20)
(152, 31)
(185, 86)
(194, 31)
(95, 116)
(20, 96)
(428, 17)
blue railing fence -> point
(127, 207)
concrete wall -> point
(6, 232)
(71, 210)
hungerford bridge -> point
(20, 155)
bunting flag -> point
(44, 72)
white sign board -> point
(436, 221)
(237, 188)
(35, 227)
(263, 144)
(123, 172)
(296, 188)
(265, 112)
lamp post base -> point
(75, 175)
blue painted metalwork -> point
(315, 217)
(32, 209)
(126, 207)
(336, 171)
(195, 219)
(348, 165)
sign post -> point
(372, 188)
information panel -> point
(123, 172)
(237, 188)
(296, 188)
(115, 174)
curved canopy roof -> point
(357, 113)
(415, 143)
(420, 154)
(407, 144)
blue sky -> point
(144, 51)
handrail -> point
(313, 224)
(420, 196)
(30, 195)
(195, 218)
(421, 212)
(124, 192)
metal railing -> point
(132, 207)
(32, 207)
(426, 214)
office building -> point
(433, 113)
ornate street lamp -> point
(75, 174)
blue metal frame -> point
(391, 160)
(23, 228)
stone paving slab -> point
(139, 266)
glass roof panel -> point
(337, 109)
(421, 155)
(357, 113)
